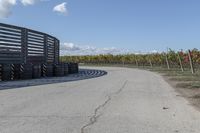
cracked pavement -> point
(94, 118)
(123, 101)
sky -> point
(110, 26)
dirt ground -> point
(192, 95)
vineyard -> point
(183, 59)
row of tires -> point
(30, 71)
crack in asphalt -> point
(95, 117)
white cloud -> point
(72, 49)
(154, 51)
(61, 8)
(5, 8)
(31, 2)
(28, 2)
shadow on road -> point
(82, 75)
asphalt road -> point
(123, 101)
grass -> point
(184, 79)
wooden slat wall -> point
(21, 45)
(50, 49)
(10, 44)
(35, 47)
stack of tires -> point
(6, 72)
(59, 70)
(36, 71)
(73, 68)
(47, 70)
(30, 71)
(26, 71)
(66, 69)
(1, 72)
(15, 71)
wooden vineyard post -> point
(136, 61)
(180, 62)
(150, 63)
(191, 62)
(167, 62)
(123, 61)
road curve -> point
(123, 101)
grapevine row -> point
(171, 59)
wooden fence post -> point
(123, 63)
(150, 63)
(191, 62)
(167, 62)
(180, 62)
(136, 61)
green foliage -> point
(156, 59)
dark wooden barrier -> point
(21, 45)
(27, 54)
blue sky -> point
(113, 25)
